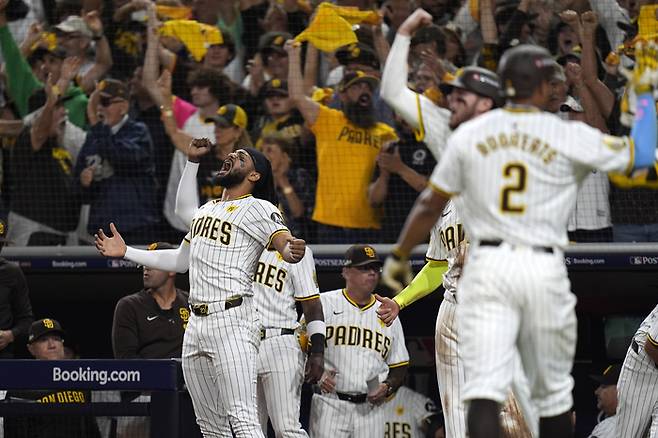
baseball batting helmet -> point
(477, 80)
(523, 68)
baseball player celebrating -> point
(410, 414)
(637, 412)
(473, 92)
(516, 172)
(359, 348)
(277, 286)
(221, 251)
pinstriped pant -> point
(516, 301)
(637, 389)
(280, 370)
(334, 418)
(219, 366)
(517, 416)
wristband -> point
(316, 326)
(287, 190)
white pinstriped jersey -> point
(278, 284)
(649, 327)
(435, 132)
(406, 412)
(226, 240)
(519, 173)
(359, 346)
(605, 429)
(445, 239)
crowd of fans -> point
(99, 102)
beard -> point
(362, 115)
(229, 180)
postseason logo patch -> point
(276, 217)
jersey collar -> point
(516, 108)
(361, 308)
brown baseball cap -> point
(44, 327)
(361, 255)
(610, 375)
(114, 88)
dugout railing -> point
(169, 415)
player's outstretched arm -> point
(425, 282)
(394, 88)
(176, 260)
(316, 330)
(187, 195)
(291, 249)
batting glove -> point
(396, 273)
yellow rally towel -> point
(47, 40)
(196, 36)
(647, 22)
(174, 12)
(331, 27)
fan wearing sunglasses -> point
(115, 169)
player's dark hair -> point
(264, 187)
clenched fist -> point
(198, 148)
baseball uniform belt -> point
(269, 332)
(354, 398)
(205, 309)
(636, 348)
(546, 249)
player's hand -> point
(644, 75)
(314, 368)
(388, 310)
(297, 248)
(378, 396)
(6, 338)
(396, 273)
(198, 148)
(419, 18)
(328, 381)
(110, 246)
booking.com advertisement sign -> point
(90, 374)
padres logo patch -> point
(48, 323)
(277, 218)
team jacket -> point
(142, 330)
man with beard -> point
(347, 145)
(221, 250)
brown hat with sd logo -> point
(361, 255)
(44, 327)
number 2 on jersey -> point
(516, 174)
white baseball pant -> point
(517, 301)
(219, 366)
(334, 418)
(516, 413)
(280, 371)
